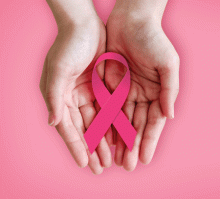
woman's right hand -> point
(66, 85)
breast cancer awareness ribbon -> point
(111, 105)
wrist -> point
(70, 13)
(72, 25)
(148, 10)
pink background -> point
(35, 162)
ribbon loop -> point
(110, 112)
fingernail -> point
(50, 119)
(172, 116)
(51, 123)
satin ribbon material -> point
(111, 105)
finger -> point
(93, 159)
(94, 163)
(139, 122)
(169, 76)
(154, 127)
(128, 110)
(104, 153)
(72, 139)
(109, 137)
(56, 84)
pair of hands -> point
(66, 84)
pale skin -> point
(134, 31)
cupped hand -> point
(66, 87)
(154, 67)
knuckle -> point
(151, 137)
(153, 120)
(156, 119)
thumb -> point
(55, 89)
(169, 76)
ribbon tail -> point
(93, 138)
(125, 129)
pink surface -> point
(110, 107)
(35, 162)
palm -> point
(144, 50)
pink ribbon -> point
(110, 112)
